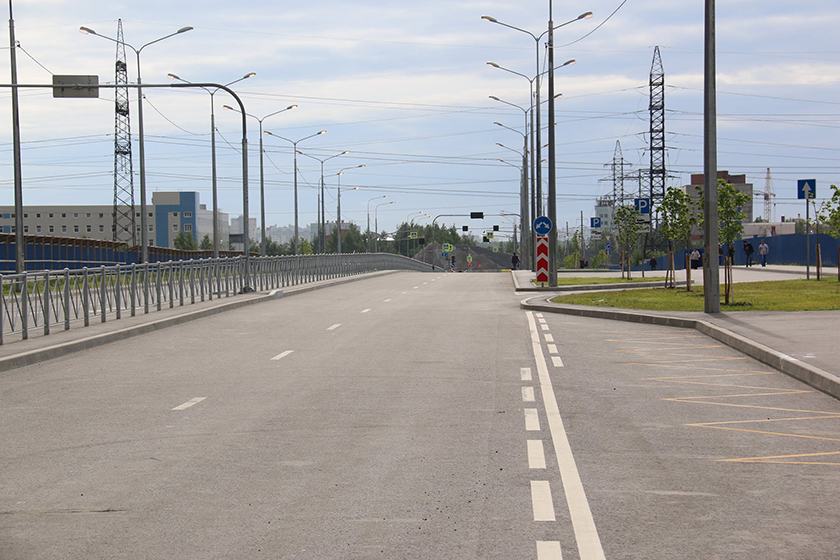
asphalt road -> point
(414, 416)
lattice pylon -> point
(124, 228)
(657, 129)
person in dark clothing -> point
(514, 262)
(653, 263)
(748, 251)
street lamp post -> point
(338, 218)
(263, 240)
(376, 220)
(144, 231)
(212, 93)
(294, 147)
(322, 229)
(368, 218)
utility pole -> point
(552, 172)
(20, 244)
(711, 272)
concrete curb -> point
(815, 377)
(590, 287)
(63, 349)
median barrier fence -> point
(59, 299)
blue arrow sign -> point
(542, 226)
(806, 188)
(595, 223)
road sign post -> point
(807, 189)
(542, 258)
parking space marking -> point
(189, 403)
(536, 454)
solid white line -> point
(544, 327)
(557, 361)
(528, 394)
(586, 534)
(365, 310)
(283, 355)
(189, 403)
(549, 550)
(541, 501)
(532, 420)
(525, 373)
(549, 338)
(552, 348)
(332, 328)
(536, 454)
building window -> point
(37, 229)
(138, 229)
(188, 214)
(151, 215)
(101, 229)
(75, 229)
(25, 229)
(75, 214)
(101, 215)
(89, 229)
(52, 229)
(37, 215)
(151, 228)
(174, 227)
(63, 229)
(51, 214)
(137, 215)
(13, 229)
(26, 215)
(87, 215)
(63, 215)
(187, 227)
(174, 214)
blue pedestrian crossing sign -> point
(542, 226)
(806, 189)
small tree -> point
(677, 221)
(628, 231)
(829, 215)
(185, 242)
(731, 217)
(305, 247)
(206, 243)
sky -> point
(404, 87)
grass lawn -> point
(787, 295)
(583, 281)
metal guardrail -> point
(59, 299)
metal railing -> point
(58, 299)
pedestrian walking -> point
(695, 258)
(653, 263)
(748, 252)
(514, 262)
(763, 251)
(720, 254)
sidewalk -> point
(39, 347)
(802, 344)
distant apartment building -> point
(737, 181)
(169, 214)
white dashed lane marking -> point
(189, 403)
(283, 355)
(332, 328)
(528, 394)
(549, 338)
(365, 310)
(525, 373)
(536, 454)
(532, 420)
(542, 501)
(549, 550)
(552, 348)
(387, 300)
(558, 362)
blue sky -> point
(404, 87)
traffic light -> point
(422, 241)
(486, 240)
(476, 215)
(495, 228)
(453, 259)
(465, 228)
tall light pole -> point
(263, 240)
(212, 93)
(711, 272)
(524, 219)
(338, 218)
(20, 243)
(294, 144)
(144, 230)
(376, 220)
(322, 229)
(368, 218)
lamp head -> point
(361, 165)
(229, 108)
(184, 29)
(249, 75)
(345, 152)
(173, 76)
(87, 31)
(570, 62)
(494, 98)
(490, 19)
(585, 15)
(322, 132)
(290, 107)
(493, 64)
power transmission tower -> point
(124, 224)
(657, 129)
(768, 195)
